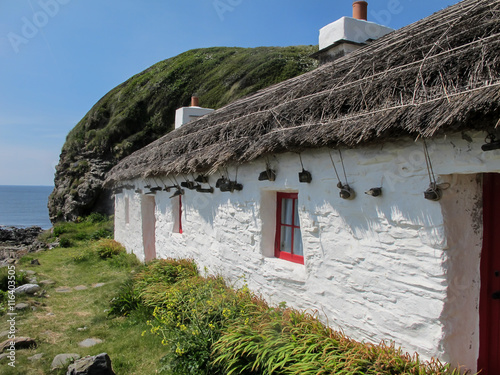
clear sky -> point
(59, 57)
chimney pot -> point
(360, 10)
(195, 102)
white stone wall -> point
(379, 268)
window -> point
(288, 243)
(177, 214)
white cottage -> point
(273, 186)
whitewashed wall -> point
(379, 268)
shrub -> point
(20, 278)
(101, 233)
(190, 320)
(65, 242)
(167, 270)
(96, 217)
(60, 229)
(108, 248)
(126, 301)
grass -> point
(130, 352)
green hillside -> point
(142, 109)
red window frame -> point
(180, 214)
(277, 246)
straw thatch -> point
(441, 74)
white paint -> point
(351, 30)
(379, 268)
(186, 114)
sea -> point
(24, 206)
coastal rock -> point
(19, 236)
(96, 365)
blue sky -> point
(59, 57)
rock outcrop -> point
(11, 236)
(93, 365)
(142, 110)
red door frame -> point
(489, 308)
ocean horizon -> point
(24, 206)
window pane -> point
(286, 211)
(297, 222)
(297, 242)
(286, 239)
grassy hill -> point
(142, 109)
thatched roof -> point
(441, 74)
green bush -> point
(6, 274)
(65, 242)
(60, 229)
(101, 233)
(108, 248)
(126, 301)
(167, 270)
(96, 217)
(190, 319)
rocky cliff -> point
(142, 109)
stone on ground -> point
(63, 289)
(87, 343)
(96, 365)
(63, 360)
(80, 287)
(18, 342)
(21, 306)
(47, 282)
(35, 357)
(27, 289)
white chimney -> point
(348, 34)
(186, 114)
